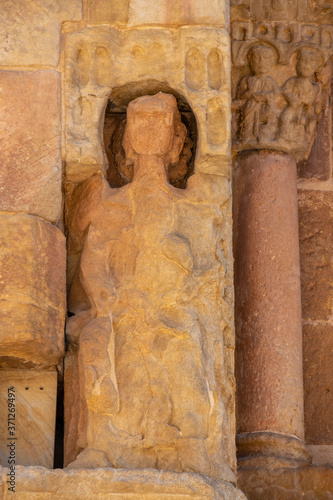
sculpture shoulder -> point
(96, 187)
(84, 202)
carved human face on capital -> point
(150, 126)
(307, 63)
(262, 58)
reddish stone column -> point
(268, 309)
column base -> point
(271, 449)
(107, 483)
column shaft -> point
(268, 301)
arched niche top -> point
(114, 122)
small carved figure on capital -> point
(256, 97)
(303, 97)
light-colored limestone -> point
(30, 30)
(144, 61)
(149, 376)
(27, 439)
(160, 12)
(32, 291)
(36, 483)
(31, 173)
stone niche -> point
(193, 61)
(114, 126)
(149, 374)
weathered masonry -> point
(166, 249)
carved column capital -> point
(281, 76)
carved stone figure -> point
(257, 95)
(280, 117)
(144, 375)
(298, 120)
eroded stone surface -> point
(316, 241)
(108, 64)
(31, 173)
(32, 291)
(30, 397)
(34, 483)
(30, 30)
(279, 105)
(315, 483)
(308, 11)
(318, 383)
(161, 12)
(149, 378)
(318, 166)
(322, 454)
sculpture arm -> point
(85, 200)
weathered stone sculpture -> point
(279, 106)
(299, 118)
(257, 95)
(144, 386)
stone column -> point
(277, 106)
(268, 309)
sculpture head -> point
(261, 59)
(153, 124)
(308, 61)
(154, 128)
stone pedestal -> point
(106, 484)
(268, 309)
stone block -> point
(30, 175)
(320, 11)
(322, 454)
(110, 12)
(316, 243)
(107, 484)
(27, 417)
(160, 12)
(32, 291)
(315, 483)
(318, 383)
(30, 30)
